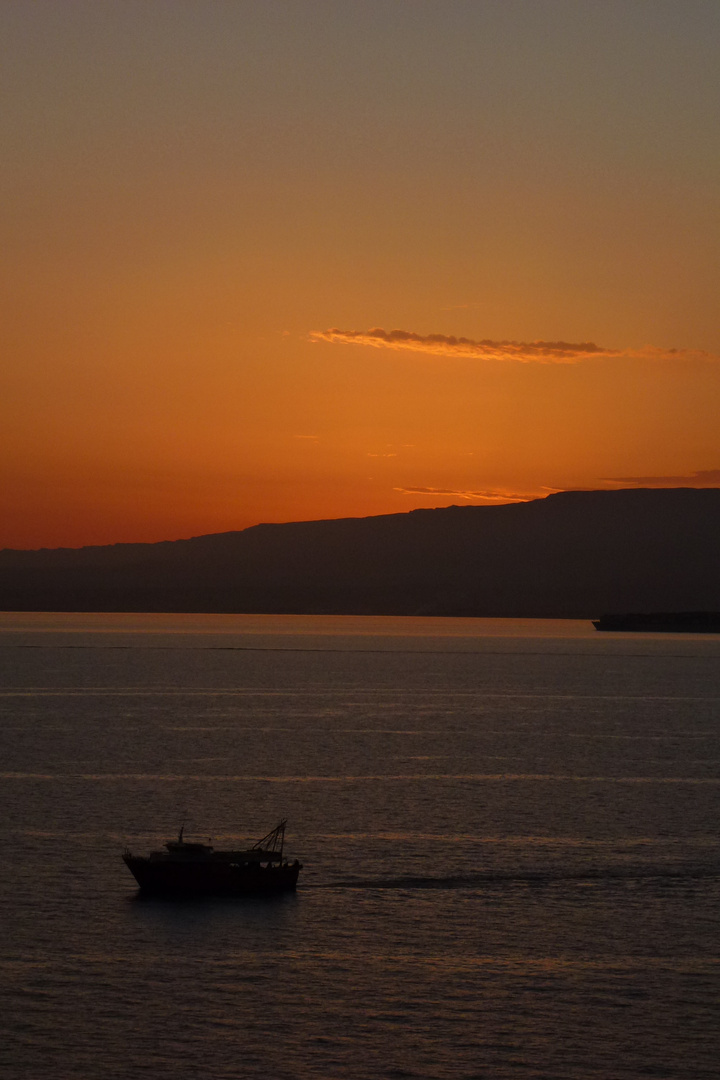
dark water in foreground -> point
(509, 831)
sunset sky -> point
(271, 260)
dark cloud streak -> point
(701, 478)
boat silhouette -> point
(189, 868)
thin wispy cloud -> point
(484, 495)
(524, 352)
(701, 478)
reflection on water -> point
(509, 833)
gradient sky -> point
(269, 260)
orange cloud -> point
(524, 352)
(488, 496)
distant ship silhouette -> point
(676, 622)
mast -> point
(273, 839)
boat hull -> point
(210, 878)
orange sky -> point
(216, 215)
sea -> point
(509, 832)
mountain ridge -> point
(571, 554)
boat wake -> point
(489, 879)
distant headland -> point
(575, 554)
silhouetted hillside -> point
(574, 554)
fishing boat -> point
(188, 868)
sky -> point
(275, 260)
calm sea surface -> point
(509, 833)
